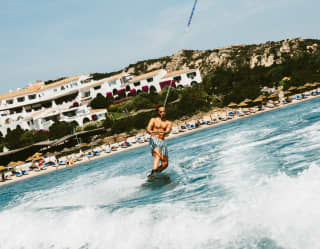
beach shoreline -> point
(51, 169)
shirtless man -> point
(158, 127)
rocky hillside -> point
(206, 60)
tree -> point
(13, 138)
(192, 100)
(61, 129)
(107, 123)
(99, 102)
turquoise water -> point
(254, 183)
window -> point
(55, 90)
(86, 94)
(191, 75)
(97, 87)
(62, 87)
(31, 97)
(10, 101)
(136, 83)
(177, 79)
(150, 80)
(20, 99)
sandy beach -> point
(206, 116)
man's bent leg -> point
(164, 164)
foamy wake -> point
(281, 211)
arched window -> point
(115, 91)
(86, 120)
(194, 83)
(128, 88)
(153, 89)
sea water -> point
(253, 183)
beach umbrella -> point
(12, 163)
(19, 163)
(273, 96)
(243, 104)
(37, 154)
(100, 140)
(66, 150)
(30, 158)
(94, 143)
(36, 158)
(247, 100)
(301, 88)
(232, 104)
(48, 153)
(286, 93)
(292, 88)
(258, 100)
(308, 85)
(2, 168)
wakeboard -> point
(158, 177)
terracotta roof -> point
(36, 87)
(114, 77)
(145, 76)
(61, 82)
(178, 73)
(27, 90)
(100, 82)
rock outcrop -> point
(265, 54)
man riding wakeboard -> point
(158, 127)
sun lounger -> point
(175, 131)
(24, 172)
(223, 118)
(140, 140)
(18, 174)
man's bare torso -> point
(158, 127)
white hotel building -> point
(39, 105)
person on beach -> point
(158, 127)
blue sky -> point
(47, 39)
